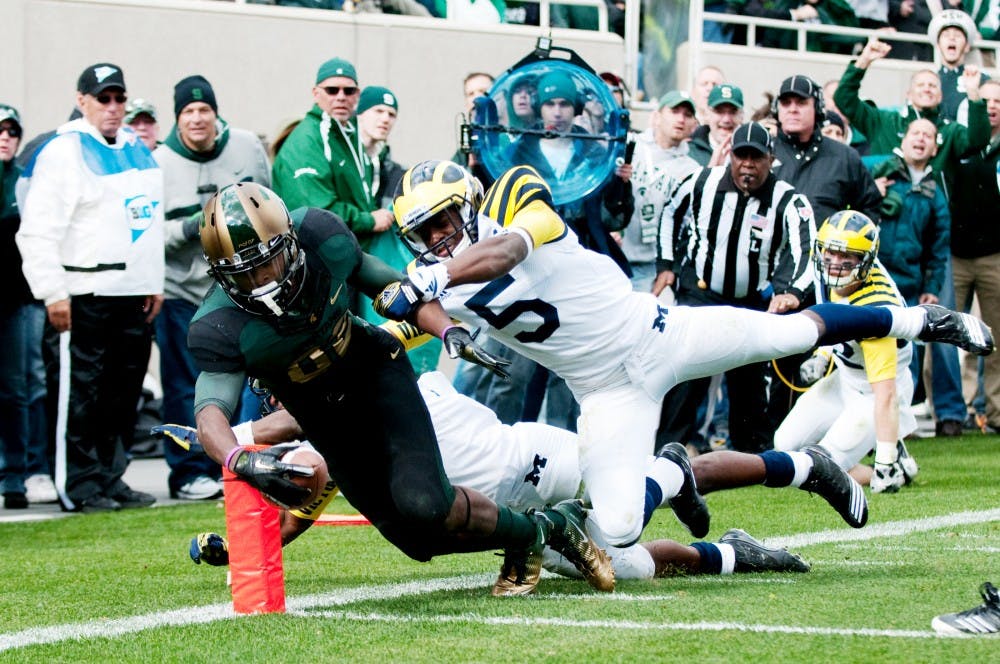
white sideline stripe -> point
(205, 614)
(628, 624)
(889, 529)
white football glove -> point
(815, 367)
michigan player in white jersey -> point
(525, 465)
(865, 403)
(517, 269)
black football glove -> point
(459, 343)
(265, 471)
(211, 548)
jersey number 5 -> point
(501, 319)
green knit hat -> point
(374, 95)
(336, 67)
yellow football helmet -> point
(251, 248)
(848, 232)
(430, 189)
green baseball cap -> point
(336, 67)
(725, 94)
(675, 98)
(10, 113)
(136, 107)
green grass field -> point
(120, 588)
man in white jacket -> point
(91, 239)
(201, 155)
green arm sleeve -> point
(848, 100)
(219, 389)
(976, 137)
(374, 274)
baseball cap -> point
(336, 67)
(374, 95)
(753, 135)
(136, 107)
(800, 86)
(675, 98)
(725, 94)
(10, 113)
(95, 79)
(833, 118)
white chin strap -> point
(265, 294)
(842, 280)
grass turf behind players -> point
(102, 567)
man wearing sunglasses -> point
(91, 239)
(323, 162)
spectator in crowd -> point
(141, 116)
(25, 476)
(92, 245)
(912, 16)
(476, 84)
(828, 173)
(834, 127)
(201, 155)
(705, 81)
(710, 142)
(522, 102)
(830, 12)
(743, 224)
(954, 34)
(975, 240)
(323, 162)
(616, 84)
(863, 406)
(914, 248)
(852, 136)
(660, 161)
(885, 127)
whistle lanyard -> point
(356, 151)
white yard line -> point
(623, 624)
(300, 605)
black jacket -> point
(830, 174)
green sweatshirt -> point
(885, 128)
(324, 165)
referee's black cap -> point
(753, 135)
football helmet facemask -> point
(252, 249)
(433, 195)
(846, 232)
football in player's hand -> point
(305, 455)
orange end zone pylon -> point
(255, 564)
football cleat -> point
(522, 568)
(837, 487)
(982, 619)
(573, 542)
(908, 463)
(688, 505)
(887, 478)
(753, 556)
(952, 327)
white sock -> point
(803, 465)
(728, 557)
(666, 474)
(885, 452)
(907, 322)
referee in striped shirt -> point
(734, 235)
